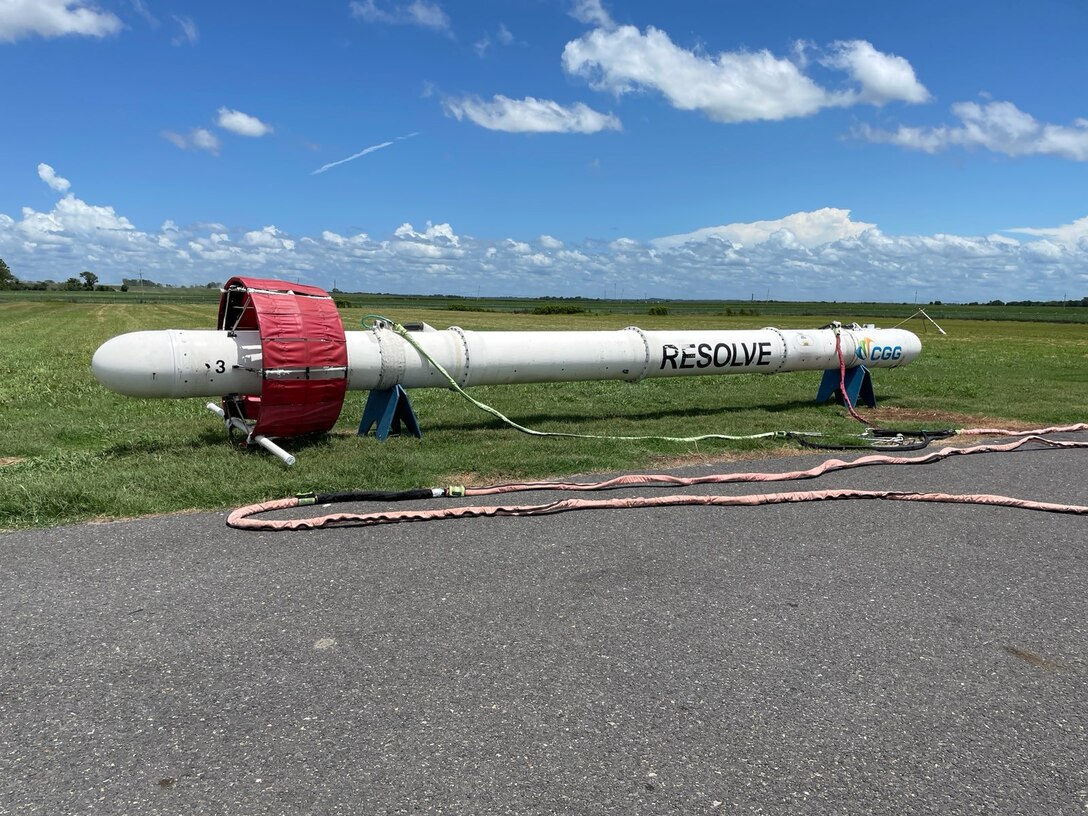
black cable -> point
(923, 440)
(368, 495)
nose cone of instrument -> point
(912, 346)
(138, 364)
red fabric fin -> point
(303, 353)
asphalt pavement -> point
(854, 658)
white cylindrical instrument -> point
(183, 363)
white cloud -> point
(809, 229)
(79, 217)
(438, 242)
(530, 115)
(205, 140)
(54, 18)
(819, 255)
(418, 13)
(196, 139)
(997, 126)
(442, 233)
(483, 45)
(141, 8)
(189, 33)
(269, 238)
(49, 176)
(737, 86)
(883, 77)
(176, 139)
(1068, 234)
(242, 123)
(592, 13)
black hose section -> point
(922, 443)
(367, 495)
(943, 433)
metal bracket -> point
(859, 385)
(389, 408)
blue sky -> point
(837, 151)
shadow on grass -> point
(209, 437)
(576, 417)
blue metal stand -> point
(389, 408)
(859, 385)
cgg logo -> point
(886, 353)
(866, 349)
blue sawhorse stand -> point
(389, 408)
(859, 385)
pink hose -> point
(244, 517)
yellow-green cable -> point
(403, 332)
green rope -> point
(403, 332)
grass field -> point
(891, 312)
(72, 450)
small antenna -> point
(921, 313)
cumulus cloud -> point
(418, 13)
(818, 255)
(997, 126)
(54, 18)
(1075, 234)
(242, 123)
(882, 77)
(736, 86)
(809, 229)
(269, 238)
(530, 115)
(49, 176)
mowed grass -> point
(72, 451)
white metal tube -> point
(178, 363)
(274, 449)
(260, 439)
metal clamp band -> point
(462, 375)
(391, 354)
(785, 349)
(646, 355)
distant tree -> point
(124, 287)
(72, 284)
(6, 278)
(89, 279)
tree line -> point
(86, 281)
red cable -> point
(842, 382)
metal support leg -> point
(859, 386)
(389, 409)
